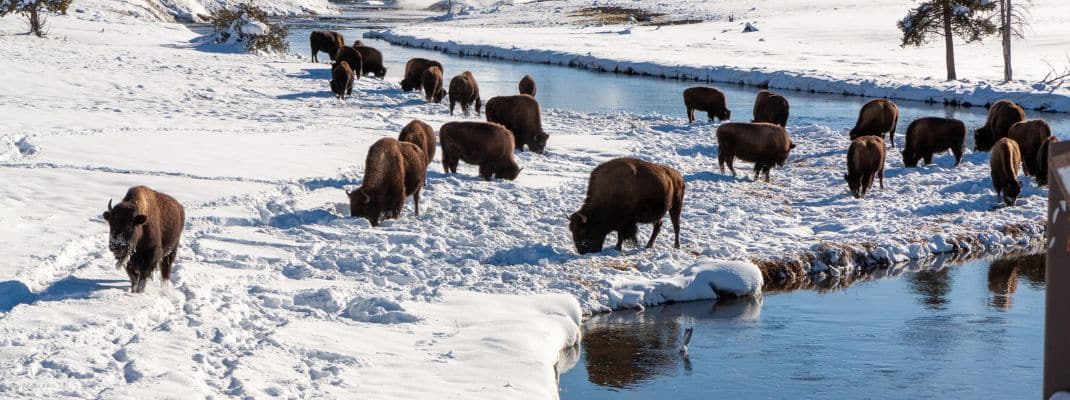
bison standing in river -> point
(144, 231)
(762, 143)
(622, 193)
(393, 171)
(414, 72)
(770, 107)
(707, 99)
(1001, 116)
(931, 135)
(523, 117)
(325, 41)
(486, 144)
(1030, 135)
(1004, 162)
(420, 133)
(527, 85)
(876, 118)
(865, 159)
(465, 90)
(432, 84)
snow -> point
(188, 10)
(702, 281)
(830, 46)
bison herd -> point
(621, 193)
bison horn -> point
(582, 217)
(109, 204)
(348, 193)
(367, 199)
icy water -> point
(959, 332)
(583, 90)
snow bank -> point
(702, 281)
(189, 10)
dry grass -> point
(613, 15)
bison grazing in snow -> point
(1042, 161)
(432, 84)
(1004, 163)
(523, 117)
(527, 85)
(876, 118)
(342, 80)
(771, 108)
(621, 194)
(414, 72)
(393, 171)
(372, 58)
(325, 41)
(1030, 135)
(763, 144)
(465, 90)
(707, 99)
(420, 133)
(144, 231)
(486, 144)
(1001, 116)
(351, 57)
(865, 159)
(931, 135)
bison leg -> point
(958, 155)
(314, 54)
(766, 172)
(928, 158)
(882, 177)
(479, 104)
(486, 171)
(690, 115)
(709, 116)
(757, 171)
(416, 202)
(132, 273)
(452, 103)
(654, 234)
(165, 266)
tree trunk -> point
(35, 21)
(1005, 16)
(949, 41)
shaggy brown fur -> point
(386, 184)
(342, 80)
(1005, 160)
(763, 144)
(1001, 116)
(1030, 135)
(770, 107)
(358, 43)
(876, 118)
(414, 72)
(931, 135)
(523, 117)
(144, 232)
(432, 83)
(372, 60)
(527, 86)
(419, 133)
(707, 99)
(415, 172)
(1042, 161)
(465, 90)
(352, 57)
(622, 193)
(865, 158)
(325, 41)
(486, 144)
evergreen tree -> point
(35, 11)
(967, 19)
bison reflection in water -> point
(1003, 277)
(932, 287)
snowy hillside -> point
(189, 10)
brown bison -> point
(1005, 160)
(486, 144)
(865, 158)
(1030, 135)
(1001, 116)
(522, 116)
(876, 118)
(432, 83)
(414, 72)
(419, 133)
(372, 60)
(352, 57)
(1042, 160)
(527, 85)
(707, 99)
(358, 43)
(465, 90)
(325, 41)
(621, 194)
(393, 171)
(931, 135)
(771, 108)
(342, 80)
(761, 143)
(144, 231)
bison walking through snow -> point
(325, 41)
(1001, 116)
(414, 72)
(432, 84)
(465, 90)
(342, 80)
(1004, 162)
(930, 135)
(523, 117)
(420, 133)
(1030, 135)
(393, 171)
(876, 118)
(771, 108)
(707, 99)
(865, 159)
(144, 231)
(527, 85)
(486, 144)
(763, 144)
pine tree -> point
(35, 11)
(967, 19)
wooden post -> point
(1057, 316)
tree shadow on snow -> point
(304, 217)
(13, 293)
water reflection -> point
(1003, 278)
(932, 287)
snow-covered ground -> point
(278, 293)
(190, 10)
(832, 46)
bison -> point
(352, 57)
(1030, 135)
(372, 60)
(420, 133)
(865, 158)
(621, 194)
(931, 135)
(522, 116)
(465, 90)
(761, 143)
(876, 118)
(144, 231)
(1004, 162)
(527, 85)
(432, 84)
(393, 171)
(707, 99)
(1001, 116)
(414, 72)
(486, 144)
(325, 41)
(1042, 160)
(342, 80)
(770, 107)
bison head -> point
(124, 228)
(586, 237)
(1010, 192)
(439, 94)
(361, 205)
(508, 171)
(910, 158)
(380, 73)
(538, 144)
(724, 114)
(854, 184)
(983, 139)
